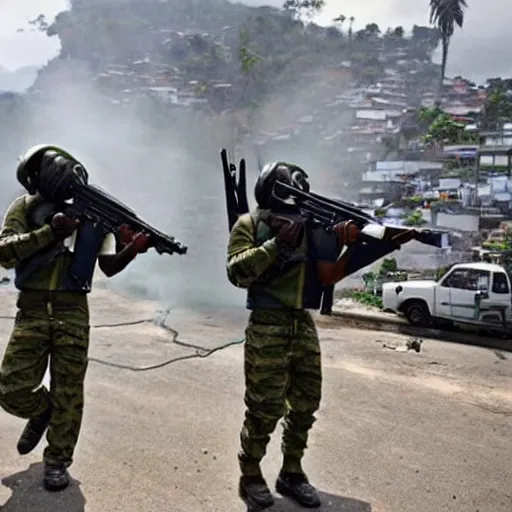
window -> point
(500, 283)
(467, 279)
(454, 280)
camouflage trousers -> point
(283, 379)
(50, 328)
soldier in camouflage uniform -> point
(286, 264)
(54, 258)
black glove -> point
(347, 232)
(63, 226)
(289, 230)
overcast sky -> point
(481, 50)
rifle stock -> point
(235, 189)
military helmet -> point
(290, 174)
(29, 165)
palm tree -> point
(350, 33)
(351, 19)
(399, 32)
(340, 20)
(445, 14)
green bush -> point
(388, 265)
(414, 219)
(366, 298)
(496, 246)
(368, 278)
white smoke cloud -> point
(164, 181)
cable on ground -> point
(200, 352)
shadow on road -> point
(330, 503)
(28, 494)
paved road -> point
(397, 432)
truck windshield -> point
(441, 272)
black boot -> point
(253, 490)
(56, 477)
(296, 486)
(33, 432)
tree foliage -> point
(414, 219)
(497, 107)
(399, 32)
(304, 8)
(444, 130)
(248, 59)
(426, 116)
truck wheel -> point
(417, 314)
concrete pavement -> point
(359, 316)
(397, 431)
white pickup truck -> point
(476, 294)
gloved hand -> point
(63, 226)
(347, 232)
(140, 242)
(126, 234)
(289, 230)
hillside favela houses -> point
(367, 102)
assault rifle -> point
(332, 211)
(84, 201)
(376, 241)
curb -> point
(393, 323)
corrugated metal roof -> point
(484, 190)
(504, 197)
(449, 183)
(374, 115)
(370, 190)
(499, 183)
(409, 166)
(462, 110)
(384, 176)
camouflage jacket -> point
(253, 253)
(19, 239)
(40, 260)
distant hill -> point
(17, 81)
(256, 49)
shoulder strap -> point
(257, 222)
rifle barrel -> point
(102, 207)
(327, 205)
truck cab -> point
(469, 293)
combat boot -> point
(33, 432)
(56, 477)
(296, 486)
(253, 490)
